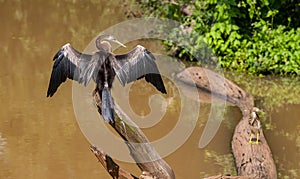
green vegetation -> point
(255, 36)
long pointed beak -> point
(119, 43)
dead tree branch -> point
(147, 159)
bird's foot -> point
(254, 140)
(250, 140)
(257, 138)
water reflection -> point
(40, 137)
(270, 92)
(2, 144)
(285, 141)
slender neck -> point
(99, 41)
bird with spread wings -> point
(102, 66)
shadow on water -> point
(39, 137)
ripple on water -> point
(2, 143)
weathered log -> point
(146, 157)
(228, 177)
(115, 171)
(252, 160)
(218, 85)
(110, 166)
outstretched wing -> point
(68, 63)
(136, 64)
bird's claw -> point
(256, 140)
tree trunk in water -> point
(252, 160)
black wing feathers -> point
(66, 65)
(156, 80)
(70, 63)
(136, 64)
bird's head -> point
(254, 112)
(255, 109)
(102, 44)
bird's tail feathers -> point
(107, 106)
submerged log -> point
(252, 160)
(145, 156)
(218, 85)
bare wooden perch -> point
(110, 166)
(252, 160)
(147, 159)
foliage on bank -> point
(255, 36)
